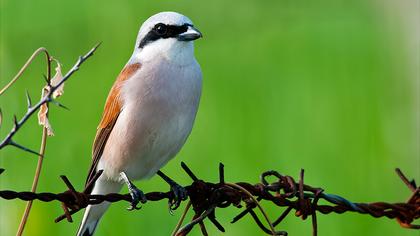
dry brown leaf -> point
(43, 115)
(56, 80)
(43, 111)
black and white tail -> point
(93, 213)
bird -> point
(148, 115)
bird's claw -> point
(137, 196)
(180, 194)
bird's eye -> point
(161, 29)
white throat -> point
(179, 53)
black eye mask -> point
(163, 31)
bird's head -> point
(167, 34)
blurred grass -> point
(329, 86)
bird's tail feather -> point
(93, 213)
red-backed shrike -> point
(149, 112)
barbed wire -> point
(206, 197)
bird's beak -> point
(190, 35)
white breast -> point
(159, 107)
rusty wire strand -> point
(206, 197)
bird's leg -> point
(136, 194)
(180, 193)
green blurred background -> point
(328, 86)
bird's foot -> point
(180, 194)
(137, 196)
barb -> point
(8, 140)
(206, 197)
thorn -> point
(15, 122)
(24, 148)
(46, 79)
(28, 99)
(413, 183)
(55, 102)
(97, 46)
(90, 53)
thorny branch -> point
(206, 197)
(48, 98)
